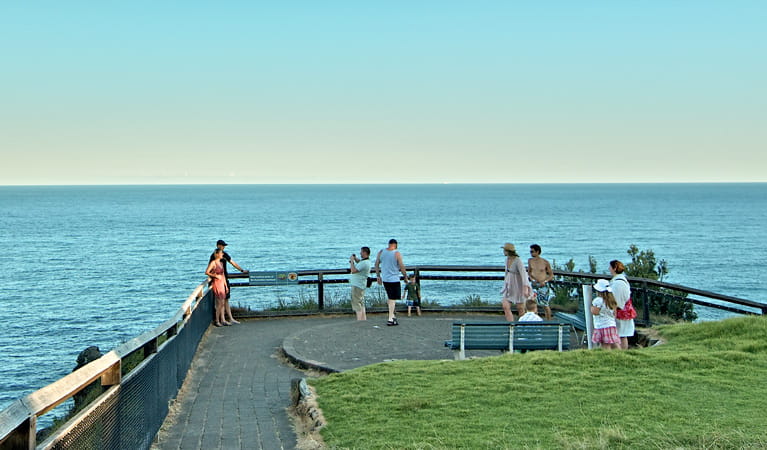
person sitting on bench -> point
(531, 312)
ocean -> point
(98, 265)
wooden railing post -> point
(320, 292)
(150, 348)
(23, 437)
(113, 376)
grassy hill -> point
(705, 388)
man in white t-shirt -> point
(360, 270)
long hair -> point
(609, 299)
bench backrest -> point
(510, 336)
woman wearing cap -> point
(516, 285)
(603, 308)
(625, 314)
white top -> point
(530, 317)
(360, 279)
(390, 271)
(621, 289)
(606, 316)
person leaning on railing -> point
(220, 245)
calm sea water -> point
(99, 265)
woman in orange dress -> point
(215, 271)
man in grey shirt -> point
(388, 267)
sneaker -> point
(392, 322)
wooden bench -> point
(508, 336)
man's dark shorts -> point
(392, 290)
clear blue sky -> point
(394, 91)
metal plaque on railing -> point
(272, 278)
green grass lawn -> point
(705, 388)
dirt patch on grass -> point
(308, 420)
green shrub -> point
(473, 300)
(667, 302)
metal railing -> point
(642, 288)
(130, 411)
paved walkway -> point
(238, 388)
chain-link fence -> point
(129, 415)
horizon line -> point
(377, 183)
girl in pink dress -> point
(215, 271)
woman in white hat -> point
(516, 285)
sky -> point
(147, 92)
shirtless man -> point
(540, 274)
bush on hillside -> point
(644, 264)
(667, 302)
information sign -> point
(272, 278)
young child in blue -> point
(412, 294)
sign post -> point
(587, 296)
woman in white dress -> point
(625, 314)
(516, 285)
